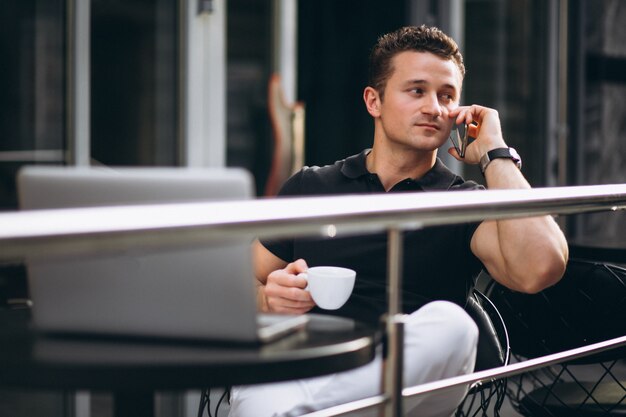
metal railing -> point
(46, 233)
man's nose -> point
(431, 105)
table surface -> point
(32, 360)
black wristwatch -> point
(508, 153)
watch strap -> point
(508, 153)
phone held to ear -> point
(460, 137)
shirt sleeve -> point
(283, 248)
(474, 264)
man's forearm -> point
(533, 249)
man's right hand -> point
(284, 292)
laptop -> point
(204, 293)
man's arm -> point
(527, 254)
(279, 289)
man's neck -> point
(393, 167)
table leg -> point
(133, 404)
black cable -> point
(204, 402)
(219, 402)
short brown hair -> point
(410, 38)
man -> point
(413, 96)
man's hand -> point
(284, 291)
(488, 133)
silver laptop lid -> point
(201, 293)
(45, 187)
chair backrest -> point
(588, 305)
(493, 340)
(492, 352)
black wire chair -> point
(486, 397)
(588, 305)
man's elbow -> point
(544, 274)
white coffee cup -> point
(330, 286)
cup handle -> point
(305, 276)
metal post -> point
(562, 126)
(551, 96)
(392, 377)
(203, 47)
(78, 124)
(285, 45)
(78, 82)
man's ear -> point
(372, 101)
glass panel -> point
(32, 104)
(134, 82)
(506, 59)
(248, 62)
(600, 117)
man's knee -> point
(444, 328)
(449, 319)
(456, 319)
(440, 342)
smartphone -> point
(460, 138)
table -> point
(133, 369)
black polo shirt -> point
(438, 262)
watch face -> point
(514, 154)
(517, 159)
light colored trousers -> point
(439, 342)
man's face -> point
(418, 98)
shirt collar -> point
(438, 178)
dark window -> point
(134, 56)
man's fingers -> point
(278, 289)
(472, 130)
(283, 279)
(289, 310)
(462, 115)
(452, 151)
(296, 267)
(293, 304)
(297, 305)
(284, 290)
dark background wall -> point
(335, 37)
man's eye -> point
(446, 97)
(418, 91)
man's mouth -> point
(429, 125)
